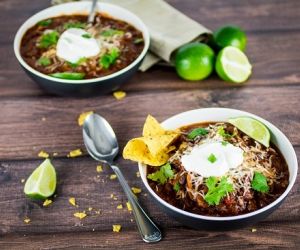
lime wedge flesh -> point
(233, 65)
(253, 128)
(41, 184)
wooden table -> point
(32, 120)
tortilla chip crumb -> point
(22, 180)
(120, 206)
(75, 153)
(131, 220)
(83, 116)
(98, 211)
(253, 230)
(119, 95)
(80, 215)
(93, 229)
(128, 206)
(90, 208)
(138, 175)
(27, 220)
(113, 177)
(136, 190)
(43, 154)
(99, 169)
(47, 202)
(72, 201)
(43, 119)
(55, 154)
(117, 228)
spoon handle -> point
(148, 230)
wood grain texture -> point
(273, 29)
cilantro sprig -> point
(196, 132)
(48, 39)
(112, 32)
(44, 61)
(78, 25)
(221, 131)
(162, 175)
(176, 187)
(212, 158)
(109, 58)
(260, 183)
(217, 190)
(45, 23)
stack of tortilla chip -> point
(153, 147)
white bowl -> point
(86, 86)
(223, 114)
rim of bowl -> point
(19, 35)
(292, 179)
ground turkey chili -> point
(261, 178)
(120, 42)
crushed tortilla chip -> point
(153, 147)
(72, 201)
(98, 211)
(136, 190)
(253, 230)
(129, 208)
(75, 153)
(27, 220)
(138, 174)
(119, 95)
(90, 208)
(113, 177)
(99, 169)
(80, 215)
(83, 116)
(117, 228)
(43, 154)
(120, 206)
(47, 202)
(55, 154)
(22, 180)
(43, 119)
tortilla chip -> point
(138, 150)
(152, 127)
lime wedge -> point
(41, 183)
(253, 128)
(232, 65)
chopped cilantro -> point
(44, 61)
(221, 131)
(162, 175)
(45, 23)
(87, 35)
(224, 143)
(196, 132)
(76, 64)
(78, 25)
(109, 58)
(138, 40)
(259, 183)
(48, 39)
(176, 187)
(212, 158)
(216, 191)
(112, 32)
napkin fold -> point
(169, 28)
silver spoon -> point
(92, 12)
(101, 143)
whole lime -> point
(194, 61)
(230, 36)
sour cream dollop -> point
(74, 44)
(212, 159)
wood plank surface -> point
(33, 120)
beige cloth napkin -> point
(169, 28)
